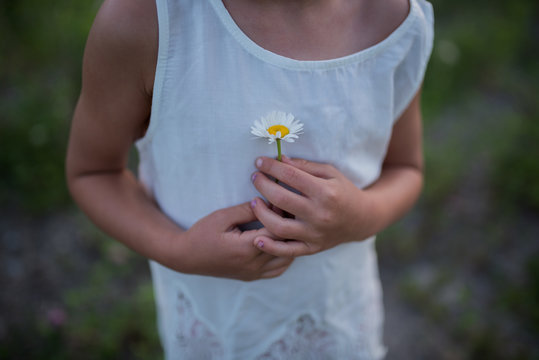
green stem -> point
(279, 158)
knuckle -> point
(289, 174)
(267, 166)
(293, 253)
(280, 198)
(325, 217)
(329, 195)
(329, 168)
(317, 238)
(281, 230)
(313, 248)
(219, 214)
(301, 162)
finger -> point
(290, 175)
(273, 262)
(274, 273)
(281, 197)
(247, 237)
(229, 218)
(283, 228)
(286, 249)
(263, 232)
(324, 171)
(275, 267)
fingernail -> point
(259, 162)
(253, 177)
(260, 244)
(253, 203)
(284, 157)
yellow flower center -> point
(275, 128)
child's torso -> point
(212, 81)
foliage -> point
(484, 54)
(517, 177)
(481, 116)
(40, 78)
(110, 315)
(524, 296)
(103, 327)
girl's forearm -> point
(118, 204)
(213, 246)
(393, 194)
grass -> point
(480, 112)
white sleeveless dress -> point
(212, 82)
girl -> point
(185, 80)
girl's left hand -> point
(329, 210)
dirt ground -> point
(41, 258)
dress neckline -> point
(293, 64)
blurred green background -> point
(460, 272)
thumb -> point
(264, 233)
(235, 215)
(324, 171)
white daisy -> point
(276, 126)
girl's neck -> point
(316, 29)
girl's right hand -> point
(215, 246)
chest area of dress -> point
(212, 109)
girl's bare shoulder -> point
(126, 32)
(127, 20)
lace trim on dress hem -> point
(194, 338)
(303, 340)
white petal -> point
(294, 136)
(256, 132)
(261, 126)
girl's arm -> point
(113, 112)
(331, 209)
